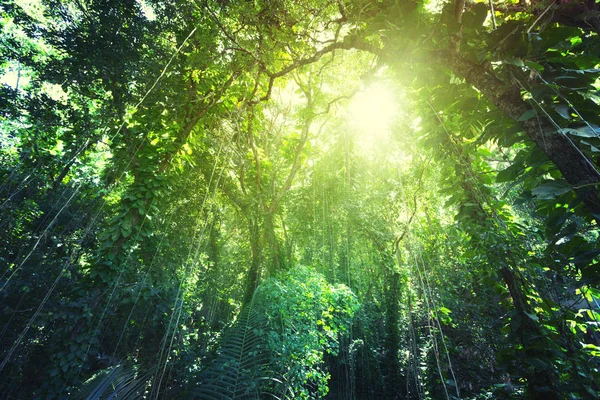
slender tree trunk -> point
(213, 245)
(255, 263)
(392, 339)
(273, 243)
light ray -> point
(371, 113)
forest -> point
(300, 199)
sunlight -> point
(372, 112)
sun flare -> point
(371, 112)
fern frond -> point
(241, 369)
(121, 381)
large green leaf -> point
(551, 189)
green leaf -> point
(115, 234)
(593, 148)
(509, 174)
(591, 131)
(125, 232)
(555, 35)
(533, 317)
(563, 110)
(527, 115)
(126, 227)
(535, 66)
(537, 363)
(551, 189)
(445, 310)
(514, 61)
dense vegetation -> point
(342, 199)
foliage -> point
(278, 341)
(241, 369)
(166, 166)
(119, 381)
(306, 317)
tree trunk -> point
(213, 245)
(271, 239)
(254, 271)
(392, 337)
(540, 381)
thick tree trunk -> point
(575, 167)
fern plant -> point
(122, 381)
(275, 348)
(241, 369)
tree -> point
(184, 184)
